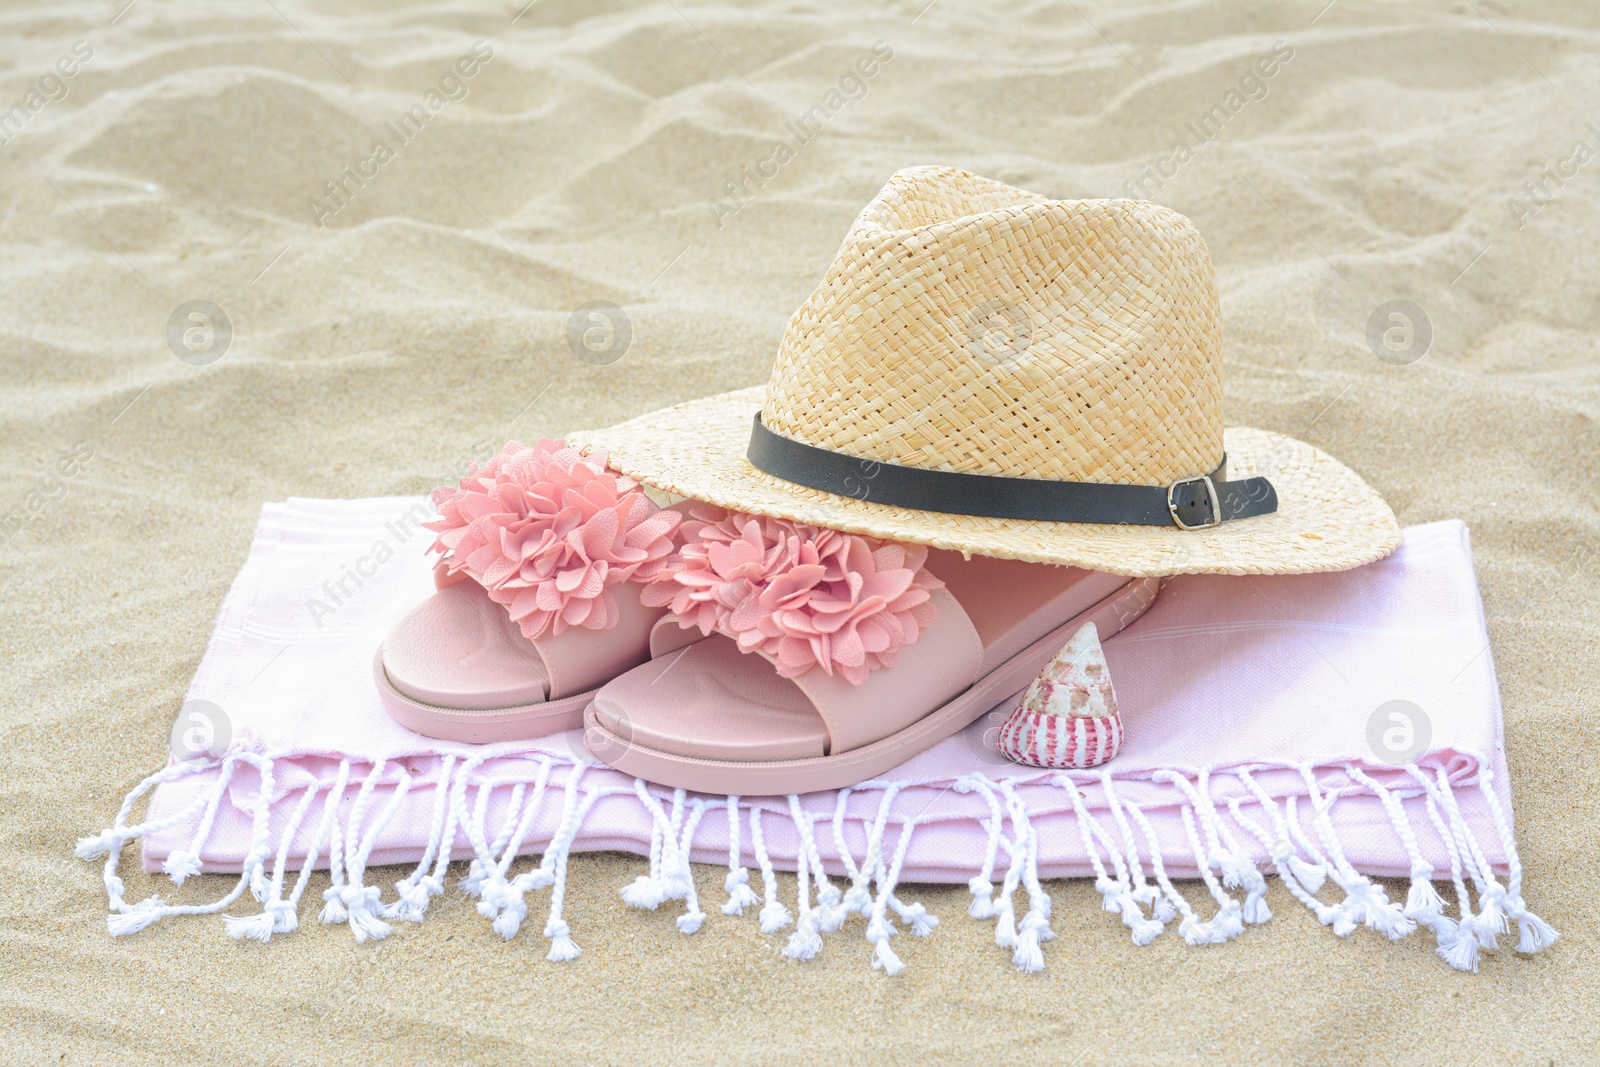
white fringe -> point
(1310, 876)
(647, 891)
(1423, 905)
(858, 897)
(182, 864)
(915, 915)
(1227, 923)
(342, 850)
(1034, 930)
(869, 886)
(665, 881)
(1491, 920)
(1175, 899)
(362, 903)
(125, 918)
(415, 891)
(1108, 889)
(1236, 859)
(847, 860)
(1222, 854)
(1206, 815)
(1005, 927)
(675, 871)
(879, 928)
(806, 941)
(112, 838)
(1365, 901)
(834, 915)
(774, 916)
(830, 915)
(481, 869)
(1281, 853)
(981, 884)
(289, 919)
(1237, 869)
(1316, 871)
(737, 883)
(552, 871)
(1537, 935)
(1161, 909)
(692, 918)
(670, 877)
(279, 915)
(333, 908)
(494, 889)
(1462, 952)
(502, 900)
(1116, 896)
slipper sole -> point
(478, 726)
(781, 777)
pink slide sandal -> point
(458, 668)
(545, 553)
(779, 698)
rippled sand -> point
(419, 317)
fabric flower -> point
(548, 531)
(805, 596)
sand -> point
(420, 319)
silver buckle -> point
(1211, 497)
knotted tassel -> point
(883, 957)
(257, 927)
(981, 885)
(737, 882)
(921, 919)
(1422, 900)
(1029, 957)
(413, 903)
(879, 930)
(141, 915)
(774, 916)
(362, 905)
(806, 941)
(1310, 875)
(92, 848)
(333, 910)
(277, 917)
(1460, 952)
(180, 866)
(1225, 925)
(740, 895)
(1143, 930)
(562, 947)
(1536, 933)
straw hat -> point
(990, 371)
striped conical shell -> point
(1068, 717)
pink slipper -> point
(831, 658)
(544, 552)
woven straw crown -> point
(969, 326)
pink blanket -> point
(1325, 729)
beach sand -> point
(420, 319)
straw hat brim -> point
(1328, 519)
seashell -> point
(1068, 716)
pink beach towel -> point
(1325, 729)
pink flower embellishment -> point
(548, 531)
(805, 596)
